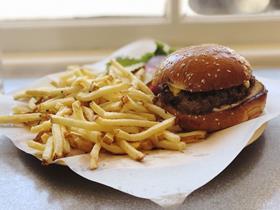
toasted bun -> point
(203, 68)
(214, 121)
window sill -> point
(42, 63)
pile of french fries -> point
(89, 113)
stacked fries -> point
(93, 113)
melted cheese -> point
(174, 89)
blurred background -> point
(43, 36)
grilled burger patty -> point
(202, 102)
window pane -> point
(230, 7)
(50, 9)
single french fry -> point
(130, 150)
(125, 122)
(171, 136)
(51, 91)
(44, 126)
(58, 139)
(77, 111)
(32, 103)
(94, 154)
(36, 145)
(51, 104)
(193, 136)
(21, 96)
(20, 118)
(48, 152)
(113, 148)
(44, 138)
(112, 106)
(88, 113)
(130, 129)
(178, 146)
(158, 111)
(68, 122)
(113, 115)
(22, 109)
(146, 116)
(158, 128)
(106, 90)
(138, 95)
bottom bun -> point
(251, 108)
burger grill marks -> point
(203, 102)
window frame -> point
(110, 32)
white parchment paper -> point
(165, 177)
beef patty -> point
(202, 102)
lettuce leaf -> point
(161, 49)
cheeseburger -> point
(208, 87)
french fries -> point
(90, 113)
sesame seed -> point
(216, 119)
(215, 75)
(199, 86)
(217, 64)
(202, 60)
(183, 64)
(209, 75)
(195, 117)
(232, 113)
(203, 119)
(207, 63)
(218, 70)
(178, 74)
(196, 59)
(228, 70)
(219, 123)
(203, 81)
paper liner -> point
(165, 177)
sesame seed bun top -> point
(203, 68)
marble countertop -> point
(251, 181)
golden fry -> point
(158, 128)
(130, 150)
(125, 122)
(106, 90)
(48, 152)
(35, 145)
(177, 146)
(52, 91)
(94, 156)
(44, 126)
(193, 136)
(58, 139)
(171, 136)
(113, 115)
(20, 118)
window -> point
(32, 26)
(67, 9)
(230, 7)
